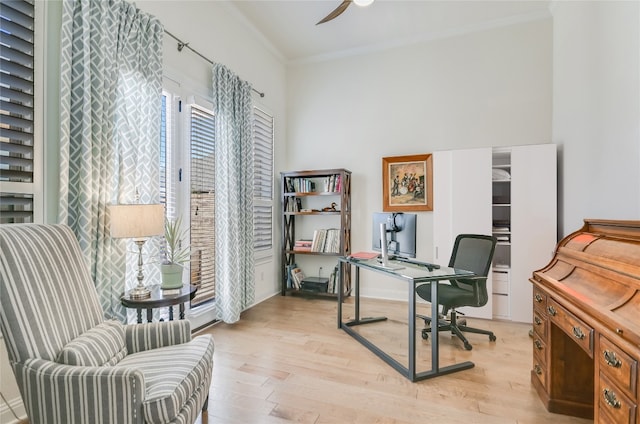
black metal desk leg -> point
(357, 294)
(171, 313)
(182, 311)
(412, 332)
(149, 314)
(340, 291)
(139, 310)
(435, 360)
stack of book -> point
(303, 245)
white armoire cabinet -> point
(510, 192)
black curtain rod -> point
(182, 45)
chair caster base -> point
(425, 334)
(492, 338)
(467, 346)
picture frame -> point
(407, 183)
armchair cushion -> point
(103, 345)
(172, 374)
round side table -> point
(160, 298)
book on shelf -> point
(290, 269)
(293, 204)
(303, 245)
(300, 185)
(333, 282)
(297, 275)
(326, 241)
(333, 183)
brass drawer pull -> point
(552, 311)
(537, 320)
(538, 369)
(538, 297)
(577, 331)
(611, 359)
(538, 344)
(610, 398)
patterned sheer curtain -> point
(235, 286)
(111, 85)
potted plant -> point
(175, 256)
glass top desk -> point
(413, 274)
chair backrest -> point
(48, 296)
(474, 252)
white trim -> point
(422, 38)
(271, 48)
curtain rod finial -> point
(182, 45)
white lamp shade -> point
(136, 221)
(363, 3)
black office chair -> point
(471, 252)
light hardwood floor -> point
(286, 361)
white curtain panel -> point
(235, 286)
(111, 86)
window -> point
(263, 189)
(202, 213)
(18, 147)
(187, 181)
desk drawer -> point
(620, 367)
(539, 349)
(539, 299)
(540, 370)
(540, 324)
(580, 332)
(613, 405)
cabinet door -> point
(462, 204)
(533, 220)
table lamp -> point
(137, 222)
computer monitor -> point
(400, 233)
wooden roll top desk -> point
(586, 338)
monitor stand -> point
(385, 251)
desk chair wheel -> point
(467, 346)
(425, 333)
(492, 338)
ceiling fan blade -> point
(336, 12)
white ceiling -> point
(290, 26)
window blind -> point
(202, 142)
(263, 179)
(16, 107)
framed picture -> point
(407, 183)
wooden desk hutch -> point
(586, 341)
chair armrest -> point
(65, 394)
(141, 337)
(474, 282)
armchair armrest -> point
(141, 337)
(65, 394)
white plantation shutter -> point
(202, 142)
(17, 110)
(263, 175)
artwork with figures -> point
(407, 183)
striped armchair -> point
(70, 364)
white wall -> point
(490, 88)
(596, 110)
